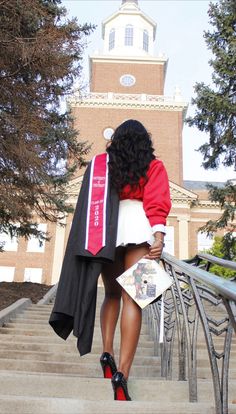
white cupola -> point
(128, 32)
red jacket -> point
(155, 193)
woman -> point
(142, 184)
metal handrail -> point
(193, 297)
(216, 260)
(219, 285)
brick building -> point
(126, 81)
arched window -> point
(112, 39)
(145, 40)
(129, 35)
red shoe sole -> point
(107, 372)
(120, 395)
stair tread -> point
(41, 373)
(70, 406)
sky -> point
(180, 28)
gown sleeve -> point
(156, 197)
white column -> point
(58, 252)
(183, 236)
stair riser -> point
(57, 340)
(46, 328)
(62, 406)
(74, 357)
(50, 342)
(63, 347)
(69, 349)
(142, 390)
(88, 370)
(45, 321)
(69, 357)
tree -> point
(218, 251)
(40, 54)
(216, 109)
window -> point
(127, 80)
(9, 244)
(204, 242)
(33, 274)
(107, 133)
(33, 245)
(112, 39)
(145, 40)
(129, 34)
(7, 273)
(169, 240)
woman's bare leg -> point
(131, 316)
(111, 305)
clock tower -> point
(127, 81)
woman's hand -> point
(156, 248)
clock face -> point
(127, 80)
(107, 133)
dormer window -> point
(145, 40)
(129, 35)
(112, 39)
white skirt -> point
(133, 225)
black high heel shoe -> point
(119, 385)
(108, 365)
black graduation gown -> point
(75, 302)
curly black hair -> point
(130, 153)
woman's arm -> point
(157, 204)
(156, 248)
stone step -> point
(22, 321)
(63, 346)
(47, 328)
(44, 322)
(37, 310)
(100, 297)
(93, 370)
(34, 314)
(13, 329)
(31, 318)
(69, 357)
(48, 308)
(78, 387)
(34, 323)
(66, 356)
(88, 370)
(21, 405)
(31, 336)
(145, 339)
(35, 362)
(146, 347)
(41, 307)
(45, 314)
(45, 353)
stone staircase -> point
(42, 374)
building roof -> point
(130, 1)
(201, 185)
(135, 10)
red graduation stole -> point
(96, 213)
